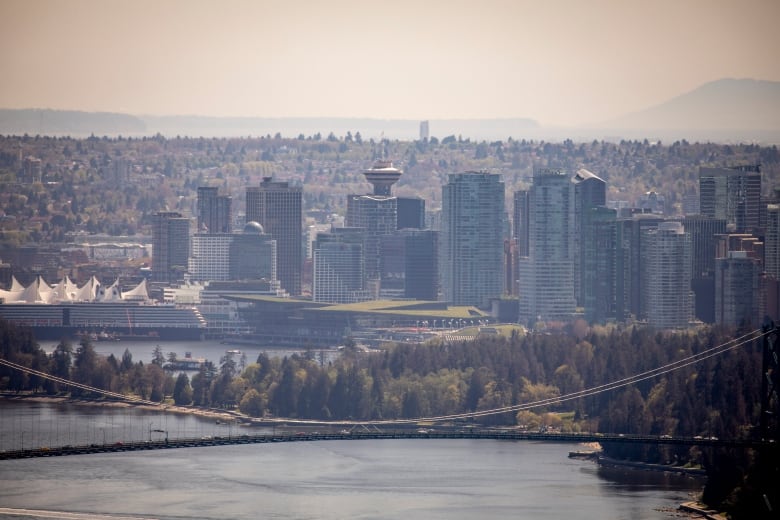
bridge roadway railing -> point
(493, 434)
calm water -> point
(387, 479)
(211, 350)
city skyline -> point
(560, 63)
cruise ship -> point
(67, 311)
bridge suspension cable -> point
(68, 382)
(620, 383)
(664, 369)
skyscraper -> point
(590, 192)
(772, 241)
(599, 265)
(520, 221)
(471, 240)
(518, 246)
(733, 194)
(410, 265)
(210, 258)
(411, 213)
(667, 276)
(276, 206)
(737, 290)
(702, 231)
(170, 246)
(376, 214)
(338, 267)
(424, 130)
(772, 261)
(631, 265)
(421, 264)
(214, 211)
(546, 274)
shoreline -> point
(647, 466)
(162, 407)
(699, 510)
(688, 509)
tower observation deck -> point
(382, 175)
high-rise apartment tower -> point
(546, 274)
(733, 194)
(471, 239)
(667, 276)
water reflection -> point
(632, 480)
(28, 423)
(389, 479)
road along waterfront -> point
(388, 479)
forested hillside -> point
(718, 397)
(78, 189)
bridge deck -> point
(376, 435)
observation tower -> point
(382, 175)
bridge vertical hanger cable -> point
(770, 383)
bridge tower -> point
(770, 383)
(764, 499)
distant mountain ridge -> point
(83, 124)
(36, 121)
(722, 105)
(725, 110)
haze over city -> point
(562, 63)
(444, 229)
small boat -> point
(233, 351)
(105, 336)
(188, 363)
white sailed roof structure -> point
(137, 293)
(15, 285)
(35, 292)
(66, 291)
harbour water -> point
(383, 479)
(210, 350)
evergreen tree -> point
(182, 392)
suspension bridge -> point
(441, 427)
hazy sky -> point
(559, 62)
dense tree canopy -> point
(718, 397)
